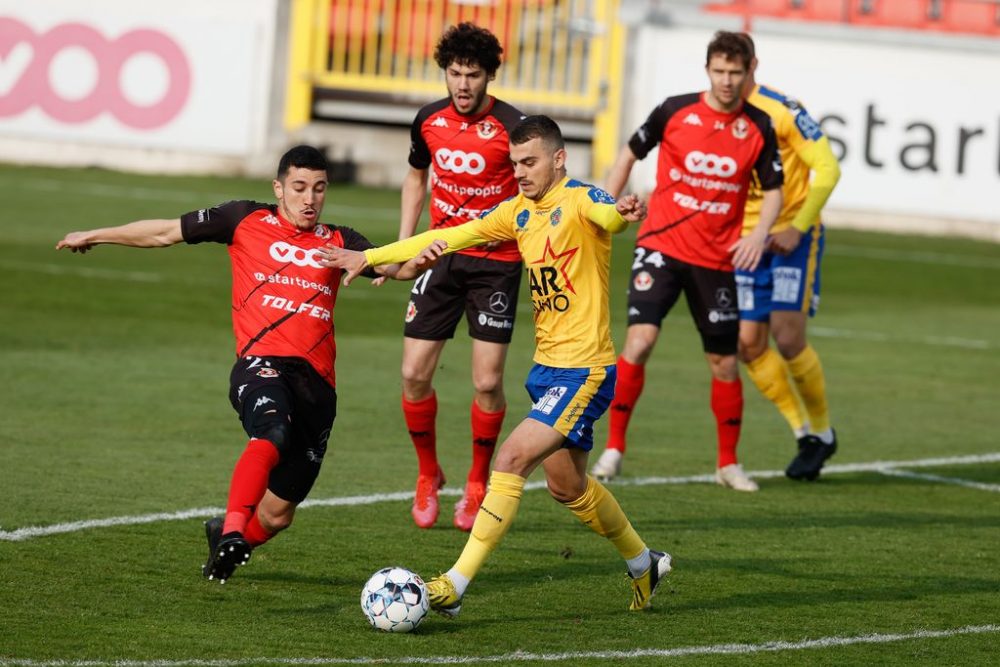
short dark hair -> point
(732, 45)
(468, 44)
(304, 157)
(534, 127)
(749, 40)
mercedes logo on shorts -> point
(498, 302)
(723, 297)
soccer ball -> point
(395, 600)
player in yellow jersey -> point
(778, 297)
(563, 229)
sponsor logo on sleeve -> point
(599, 196)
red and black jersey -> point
(706, 162)
(282, 298)
(469, 157)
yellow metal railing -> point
(561, 57)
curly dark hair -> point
(468, 44)
(732, 45)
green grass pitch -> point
(115, 374)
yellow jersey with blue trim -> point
(804, 149)
(565, 242)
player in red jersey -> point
(711, 145)
(460, 144)
(283, 383)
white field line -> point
(880, 337)
(968, 483)
(30, 532)
(527, 656)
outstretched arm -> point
(139, 234)
(616, 218)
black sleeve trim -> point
(218, 224)
(508, 115)
(768, 163)
(650, 134)
(420, 154)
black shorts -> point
(657, 283)
(484, 289)
(292, 388)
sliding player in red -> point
(283, 383)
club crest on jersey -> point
(322, 231)
(522, 219)
(411, 312)
(268, 373)
(741, 128)
(486, 129)
(642, 281)
(555, 217)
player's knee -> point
(724, 367)
(490, 384)
(750, 349)
(639, 343)
(565, 491)
(789, 342)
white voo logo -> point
(285, 252)
(709, 164)
(460, 162)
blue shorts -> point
(570, 400)
(783, 282)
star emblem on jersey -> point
(723, 297)
(566, 256)
(498, 302)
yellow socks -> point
(809, 380)
(495, 516)
(599, 510)
(770, 374)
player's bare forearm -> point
(620, 171)
(139, 234)
(412, 197)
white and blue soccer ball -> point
(395, 600)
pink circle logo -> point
(32, 87)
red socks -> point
(727, 404)
(485, 431)
(249, 482)
(631, 378)
(420, 417)
(255, 533)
